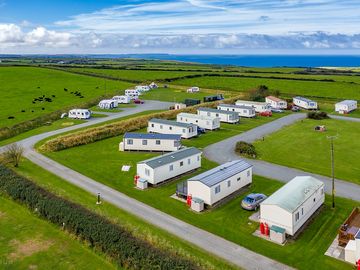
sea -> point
(253, 60)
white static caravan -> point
(218, 183)
(153, 85)
(258, 106)
(79, 114)
(163, 126)
(108, 104)
(122, 99)
(305, 103)
(150, 142)
(224, 116)
(243, 111)
(132, 93)
(142, 88)
(276, 103)
(170, 165)
(193, 89)
(352, 249)
(293, 204)
(203, 121)
(346, 106)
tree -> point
(259, 93)
(13, 154)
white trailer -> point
(193, 89)
(203, 121)
(179, 106)
(108, 104)
(150, 142)
(293, 204)
(170, 165)
(164, 126)
(153, 85)
(243, 111)
(142, 88)
(132, 93)
(305, 103)
(224, 116)
(346, 106)
(79, 114)
(214, 185)
(276, 103)
(122, 99)
(258, 106)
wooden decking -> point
(349, 228)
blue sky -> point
(180, 26)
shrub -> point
(317, 115)
(91, 135)
(13, 154)
(114, 240)
(245, 149)
(259, 93)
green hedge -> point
(115, 241)
(245, 149)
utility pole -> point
(331, 138)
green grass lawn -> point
(28, 242)
(137, 226)
(104, 163)
(341, 90)
(329, 107)
(23, 84)
(299, 146)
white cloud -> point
(10, 33)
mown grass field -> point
(137, 226)
(22, 84)
(299, 146)
(340, 90)
(28, 242)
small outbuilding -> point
(164, 126)
(243, 111)
(258, 106)
(276, 103)
(305, 103)
(150, 142)
(108, 104)
(79, 114)
(292, 205)
(170, 165)
(346, 106)
(179, 106)
(224, 116)
(216, 184)
(203, 121)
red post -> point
(358, 264)
(262, 228)
(188, 200)
(266, 229)
(136, 177)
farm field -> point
(228, 221)
(23, 84)
(137, 226)
(301, 147)
(28, 242)
(340, 90)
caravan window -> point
(152, 125)
(170, 128)
(147, 172)
(181, 163)
(158, 142)
(171, 168)
(217, 189)
(130, 141)
(248, 173)
(161, 127)
(229, 183)
(189, 160)
(144, 142)
(297, 216)
(208, 114)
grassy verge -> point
(137, 226)
(28, 242)
(301, 147)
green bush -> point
(91, 135)
(245, 149)
(317, 115)
(124, 248)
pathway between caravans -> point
(223, 151)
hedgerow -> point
(115, 241)
(91, 135)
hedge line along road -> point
(231, 252)
(224, 151)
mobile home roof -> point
(156, 136)
(250, 102)
(221, 173)
(294, 193)
(216, 111)
(304, 99)
(191, 115)
(235, 106)
(170, 122)
(274, 98)
(347, 102)
(171, 157)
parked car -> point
(277, 110)
(252, 201)
(200, 130)
(138, 101)
(295, 108)
(266, 113)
